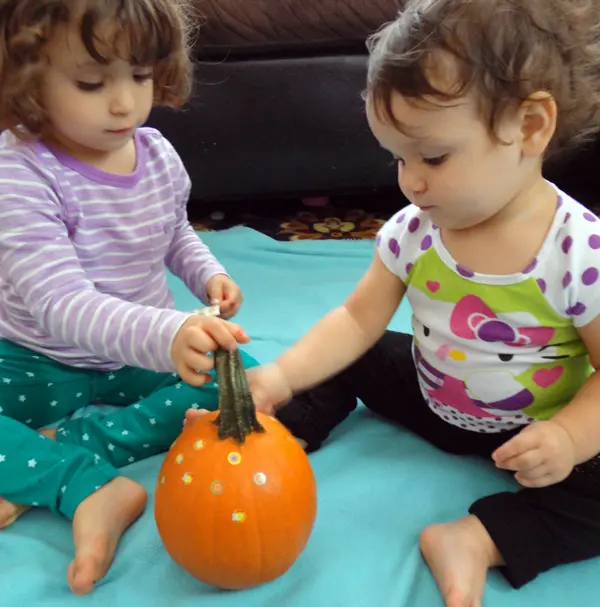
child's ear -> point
(538, 123)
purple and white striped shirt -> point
(83, 254)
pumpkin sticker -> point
(260, 479)
(216, 487)
(234, 458)
(239, 516)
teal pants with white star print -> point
(36, 391)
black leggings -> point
(533, 529)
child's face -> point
(448, 162)
(93, 107)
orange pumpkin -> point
(235, 500)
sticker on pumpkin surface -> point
(179, 458)
(198, 445)
(216, 487)
(234, 458)
(163, 480)
(260, 478)
(239, 516)
(187, 478)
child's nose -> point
(410, 181)
(122, 101)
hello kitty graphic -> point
(479, 368)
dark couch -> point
(277, 108)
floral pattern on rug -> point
(355, 224)
(359, 218)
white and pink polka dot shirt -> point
(494, 352)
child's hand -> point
(223, 291)
(269, 387)
(542, 454)
(197, 336)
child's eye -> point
(437, 161)
(89, 86)
(143, 77)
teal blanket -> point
(378, 486)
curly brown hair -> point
(505, 51)
(154, 32)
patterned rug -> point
(338, 218)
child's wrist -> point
(285, 381)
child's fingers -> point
(523, 442)
(217, 332)
(524, 462)
(541, 479)
(240, 335)
(267, 408)
(198, 361)
(229, 309)
(192, 377)
(533, 473)
(216, 293)
(192, 415)
(232, 294)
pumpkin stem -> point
(237, 413)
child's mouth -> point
(120, 131)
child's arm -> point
(581, 417)
(546, 452)
(345, 333)
(38, 260)
(191, 260)
(188, 257)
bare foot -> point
(459, 555)
(9, 511)
(99, 522)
